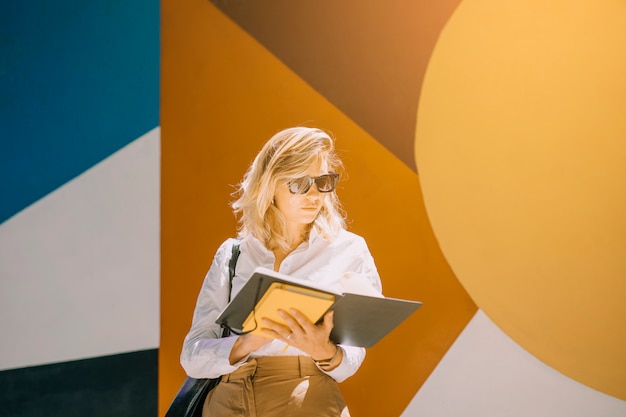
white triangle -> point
(80, 268)
(486, 374)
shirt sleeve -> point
(205, 354)
(352, 359)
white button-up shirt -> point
(341, 265)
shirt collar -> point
(314, 236)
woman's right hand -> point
(245, 345)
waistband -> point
(286, 366)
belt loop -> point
(302, 366)
(256, 365)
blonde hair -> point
(288, 154)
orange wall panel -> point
(223, 95)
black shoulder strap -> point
(231, 268)
(231, 274)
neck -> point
(280, 254)
(296, 235)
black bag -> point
(191, 395)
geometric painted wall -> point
(376, 76)
(206, 148)
(79, 208)
(483, 148)
(529, 142)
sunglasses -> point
(325, 183)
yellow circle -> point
(521, 150)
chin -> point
(309, 217)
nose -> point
(313, 191)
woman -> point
(290, 221)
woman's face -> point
(301, 209)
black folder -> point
(359, 320)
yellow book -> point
(312, 303)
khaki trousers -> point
(284, 386)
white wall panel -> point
(79, 269)
(486, 374)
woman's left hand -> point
(298, 331)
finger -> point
(294, 319)
(297, 319)
(329, 320)
(287, 338)
(284, 335)
(269, 333)
(275, 326)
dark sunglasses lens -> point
(300, 185)
(326, 183)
